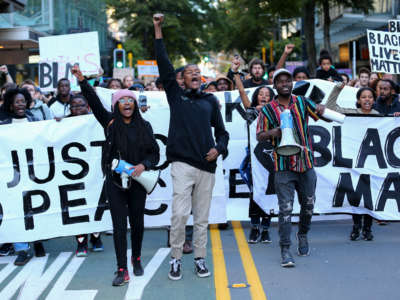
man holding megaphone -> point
(129, 151)
(284, 121)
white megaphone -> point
(288, 145)
(147, 179)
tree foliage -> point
(185, 21)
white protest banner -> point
(51, 174)
(60, 52)
(394, 25)
(384, 50)
(357, 166)
(52, 180)
(147, 68)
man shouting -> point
(193, 153)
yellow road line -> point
(256, 289)
(220, 277)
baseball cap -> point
(280, 72)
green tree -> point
(326, 5)
(184, 28)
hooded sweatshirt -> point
(41, 111)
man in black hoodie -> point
(193, 153)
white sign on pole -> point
(147, 68)
(384, 50)
(59, 53)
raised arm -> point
(331, 103)
(165, 68)
(239, 84)
(288, 50)
(101, 114)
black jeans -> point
(357, 219)
(256, 213)
(286, 182)
(125, 203)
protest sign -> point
(122, 73)
(60, 52)
(384, 50)
(394, 25)
(147, 68)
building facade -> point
(21, 27)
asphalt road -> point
(336, 269)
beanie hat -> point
(120, 94)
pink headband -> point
(120, 94)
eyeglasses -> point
(123, 101)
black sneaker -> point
(287, 258)
(39, 249)
(302, 245)
(97, 244)
(121, 278)
(265, 237)
(200, 267)
(254, 235)
(6, 249)
(22, 258)
(175, 272)
(355, 233)
(137, 266)
(367, 235)
(81, 250)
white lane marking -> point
(32, 278)
(59, 291)
(7, 270)
(137, 284)
(38, 282)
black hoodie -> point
(192, 114)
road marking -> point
(256, 289)
(137, 284)
(33, 278)
(7, 270)
(59, 292)
(220, 277)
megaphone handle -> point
(124, 180)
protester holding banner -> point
(193, 153)
(15, 109)
(261, 96)
(365, 101)
(128, 138)
(292, 172)
(80, 107)
(59, 105)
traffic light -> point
(119, 58)
(206, 58)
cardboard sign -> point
(59, 53)
(384, 50)
(121, 73)
(147, 68)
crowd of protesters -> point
(25, 102)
